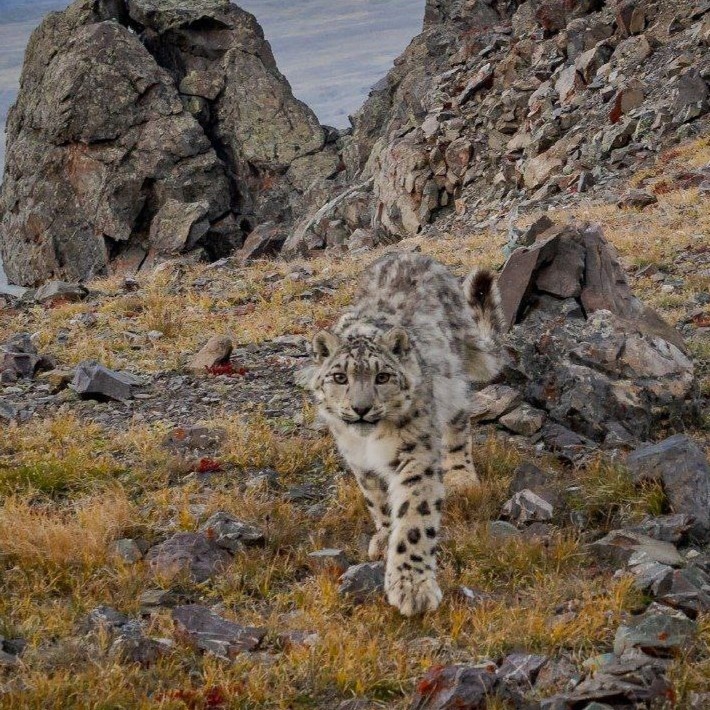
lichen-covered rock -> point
(148, 129)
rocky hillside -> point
(177, 531)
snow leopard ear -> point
(324, 345)
(396, 341)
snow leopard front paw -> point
(412, 592)
(378, 545)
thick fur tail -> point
(483, 297)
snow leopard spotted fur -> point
(393, 380)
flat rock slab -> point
(521, 668)
(658, 631)
(94, 381)
(188, 553)
(493, 401)
(621, 547)
(681, 466)
(454, 687)
(230, 533)
(527, 507)
(214, 634)
(363, 580)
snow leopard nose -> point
(362, 410)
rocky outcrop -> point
(519, 105)
(602, 366)
(148, 129)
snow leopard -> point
(393, 380)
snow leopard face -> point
(364, 380)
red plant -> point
(208, 466)
(227, 369)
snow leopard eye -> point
(340, 378)
(382, 378)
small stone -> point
(527, 507)
(55, 292)
(619, 546)
(500, 530)
(493, 401)
(295, 639)
(524, 420)
(637, 199)
(127, 550)
(230, 533)
(669, 528)
(188, 553)
(330, 559)
(8, 413)
(215, 352)
(521, 669)
(156, 598)
(265, 241)
(363, 580)
(214, 634)
(131, 646)
(482, 79)
(94, 381)
(107, 618)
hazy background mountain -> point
(331, 52)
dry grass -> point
(70, 489)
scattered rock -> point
(527, 507)
(214, 634)
(521, 669)
(449, 687)
(54, 292)
(128, 550)
(659, 631)
(230, 533)
(361, 581)
(621, 547)
(524, 420)
(94, 381)
(669, 528)
(493, 401)
(132, 646)
(216, 351)
(637, 199)
(188, 553)
(330, 559)
(682, 468)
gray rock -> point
(669, 528)
(524, 420)
(361, 581)
(60, 291)
(264, 242)
(682, 468)
(191, 554)
(107, 618)
(132, 646)
(230, 533)
(493, 401)
(647, 574)
(637, 199)
(215, 351)
(658, 631)
(128, 550)
(152, 599)
(330, 559)
(527, 507)
(686, 589)
(8, 413)
(521, 669)
(449, 687)
(620, 547)
(94, 381)
(214, 634)
(501, 530)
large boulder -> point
(583, 348)
(147, 129)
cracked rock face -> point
(146, 130)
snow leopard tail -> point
(482, 295)
(485, 357)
